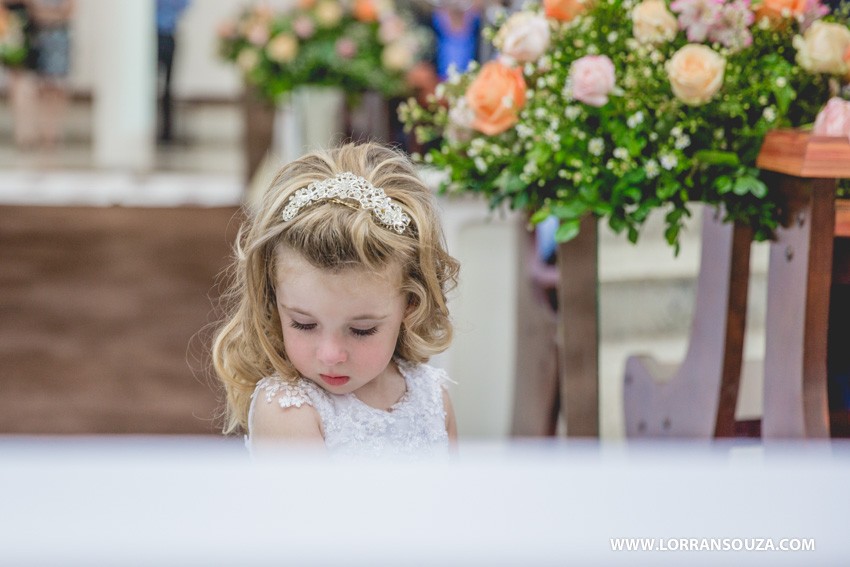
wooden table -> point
(799, 281)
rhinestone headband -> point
(353, 187)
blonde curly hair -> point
(249, 345)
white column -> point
(124, 117)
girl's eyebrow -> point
(366, 317)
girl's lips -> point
(334, 380)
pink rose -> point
(346, 48)
(592, 79)
(833, 119)
(258, 34)
(303, 27)
(391, 28)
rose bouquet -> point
(13, 45)
(357, 45)
(615, 108)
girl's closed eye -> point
(302, 326)
(364, 332)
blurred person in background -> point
(167, 17)
(19, 31)
(53, 62)
(457, 25)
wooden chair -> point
(699, 399)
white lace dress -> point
(413, 426)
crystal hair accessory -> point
(353, 187)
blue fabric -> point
(455, 47)
(54, 52)
(546, 245)
(168, 13)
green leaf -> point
(716, 157)
(540, 215)
(568, 230)
(509, 182)
(746, 184)
(569, 210)
(723, 184)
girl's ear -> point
(412, 303)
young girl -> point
(340, 297)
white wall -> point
(198, 71)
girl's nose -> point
(331, 352)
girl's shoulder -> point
(288, 393)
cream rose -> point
(282, 48)
(524, 37)
(247, 59)
(653, 23)
(695, 73)
(823, 47)
(398, 56)
(328, 13)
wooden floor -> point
(102, 318)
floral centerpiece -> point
(13, 44)
(357, 45)
(615, 108)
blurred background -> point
(122, 172)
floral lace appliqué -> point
(415, 425)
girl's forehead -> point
(292, 268)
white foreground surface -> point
(202, 501)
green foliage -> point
(645, 149)
(322, 43)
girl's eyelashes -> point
(364, 332)
(310, 326)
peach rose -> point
(365, 11)
(524, 37)
(653, 23)
(564, 10)
(776, 10)
(282, 48)
(592, 79)
(833, 119)
(495, 96)
(847, 62)
(695, 73)
(824, 48)
(225, 30)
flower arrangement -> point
(357, 45)
(13, 44)
(615, 108)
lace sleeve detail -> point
(286, 394)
